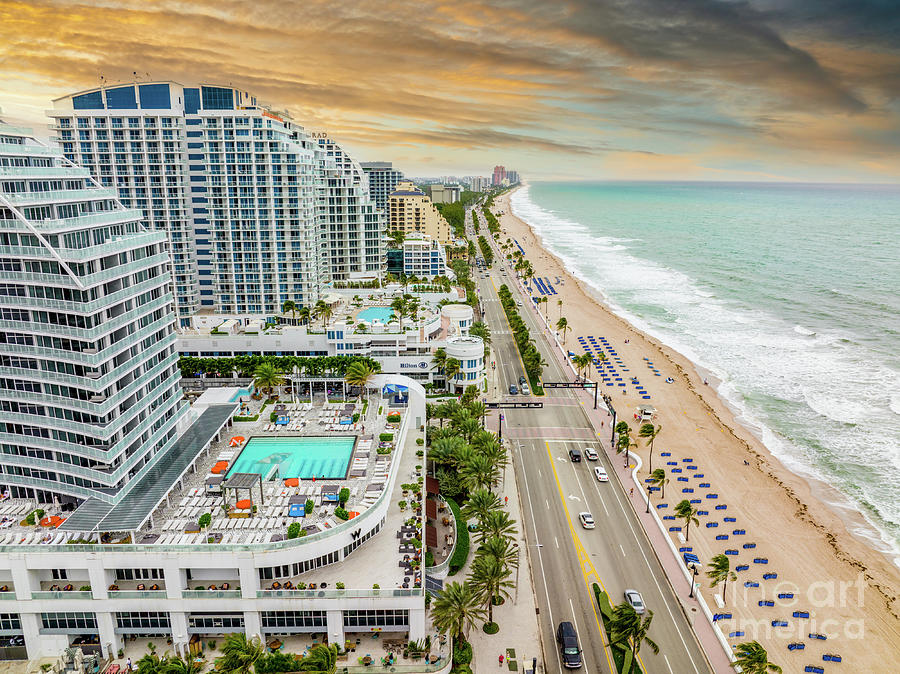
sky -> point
(800, 90)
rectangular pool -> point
(304, 458)
(380, 314)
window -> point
(10, 621)
(71, 620)
(219, 621)
(272, 620)
(217, 98)
(143, 620)
(377, 618)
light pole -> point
(696, 573)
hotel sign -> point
(421, 365)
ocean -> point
(789, 294)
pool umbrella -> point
(236, 441)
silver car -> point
(635, 601)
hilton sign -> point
(422, 365)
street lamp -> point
(695, 574)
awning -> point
(430, 536)
(432, 486)
(430, 509)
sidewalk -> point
(601, 420)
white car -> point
(591, 454)
(635, 600)
(601, 474)
(587, 520)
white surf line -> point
(541, 562)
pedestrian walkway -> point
(518, 640)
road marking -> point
(584, 562)
(623, 550)
(666, 657)
(575, 620)
(556, 540)
(547, 503)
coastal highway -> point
(566, 559)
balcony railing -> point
(62, 595)
(137, 594)
(210, 594)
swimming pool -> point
(242, 393)
(304, 458)
(380, 314)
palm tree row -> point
(307, 314)
(246, 366)
(241, 655)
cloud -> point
(527, 83)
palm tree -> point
(582, 363)
(497, 524)
(502, 549)
(325, 312)
(688, 513)
(456, 610)
(563, 325)
(468, 427)
(490, 581)
(439, 359)
(360, 374)
(305, 315)
(478, 410)
(480, 503)
(176, 665)
(400, 307)
(753, 659)
(658, 479)
(478, 472)
(239, 654)
(626, 625)
(151, 663)
(624, 444)
(650, 431)
(267, 377)
(452, 368)
(319, 308)
(559, 304)
(720, 572)
(322, 659)
(289, 305)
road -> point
(566, 559)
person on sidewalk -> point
(501, 659)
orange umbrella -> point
(292, 482)
(244, 504)
(46, 522)
(236, 441)
(353, 514)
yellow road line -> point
(584, 561)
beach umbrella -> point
(236, 441)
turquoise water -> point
(296, 457)
(787, 293)
(381, 314)
(241, 394)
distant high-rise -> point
(479, 184)
(240, 190)
(445, 194)
(512, 177)
(412, 211)
(383, 179)
(90, 393)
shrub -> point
(416, 543)
(34, 517)
(461, 552)
(383, 450)
(294, 530)
(462, 653)
(309, 505)
(273, 663)
(204, 521)
(344, 495)
(273, 417)
(84, 588)
(339, 585)
(341, 514)
(420, 442)
(355, 417)
(386, 437)
(420, 452)
(429, 558)
(402, 505)
(393, 418)
(491, 628)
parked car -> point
(513, 389)
(591, 454)
(522, 380)
(525, 390)
(600, 472)
(635, 601)
(575, 455)
(587, 520)
(567, 639)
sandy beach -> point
(848, 588)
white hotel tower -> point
(89, 392)
(255, 211)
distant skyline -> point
(762, 90)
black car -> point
(513, 389)
(567, 639)
(575, 455)
(522, 380)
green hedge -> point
(461, 552)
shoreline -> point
(800, 508)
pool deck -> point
(290, 472)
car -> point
(635, 601)
(518, 303)
(513, 389)
(567, 638)
(522, 380)
(525, 390)
(600, 472)
(591, 454)
(587, 520)
(575, 455)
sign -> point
(318, 134)
(421, 365)
(513, 406)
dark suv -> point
(575, 455)
(567, 639)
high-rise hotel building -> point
(89, 392)
(383, 179)
(248, 199)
